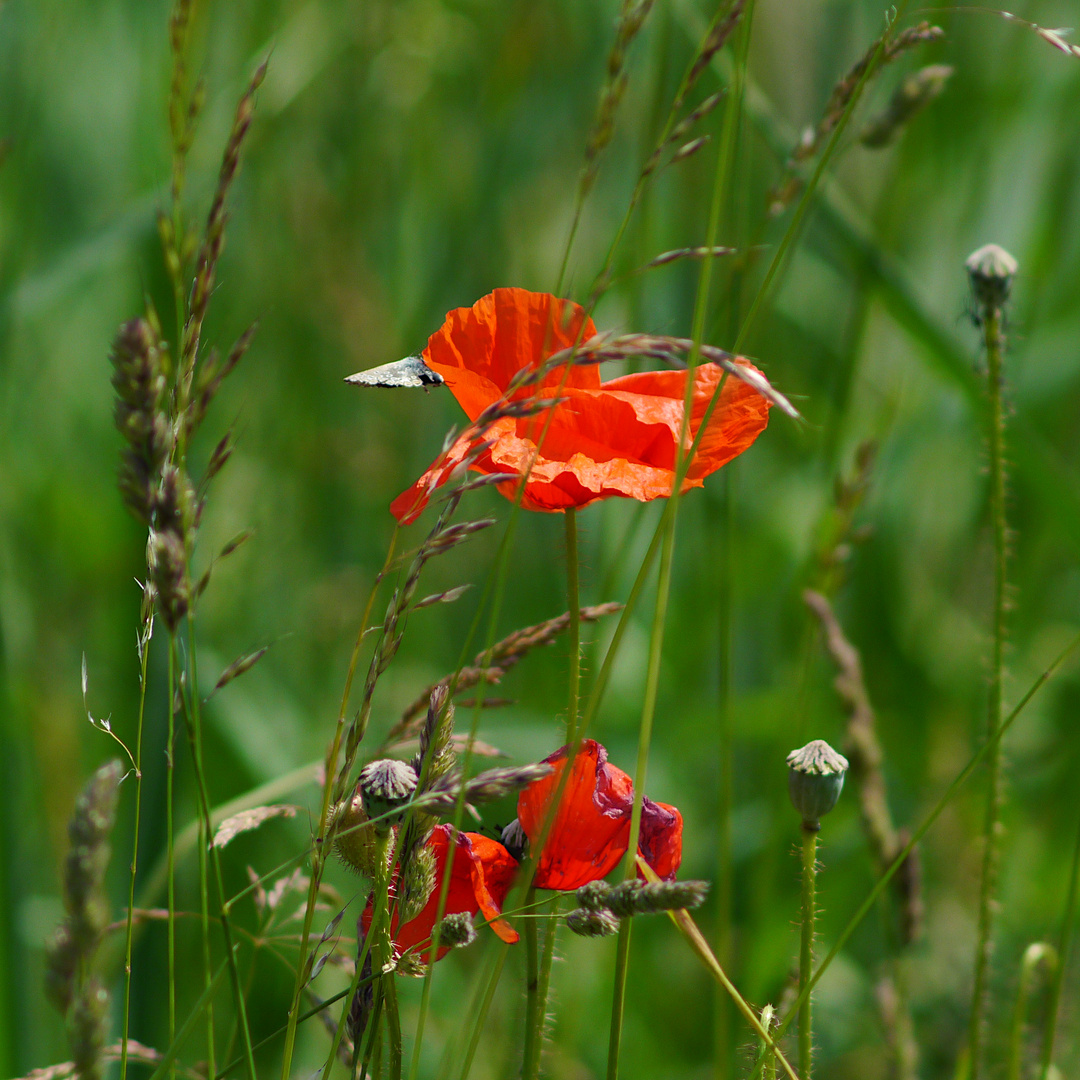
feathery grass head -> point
(70, 982)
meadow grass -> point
(696, 205)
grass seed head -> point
(457, 930)
(592, 923)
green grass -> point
(406, 158)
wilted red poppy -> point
(604, 439)
(479, 881)
(591, 827)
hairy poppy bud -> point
(354, 841)
(991, 270)
(514, 840)
(457, 930)
(386, 786)
(592, 923)
(815, 780)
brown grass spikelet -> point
(883, 51)
(214, 236)
(139, 381)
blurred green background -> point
(406, 158)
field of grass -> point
(407, 158)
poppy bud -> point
(815, 780)
(514, 840)
(355, 844)
(457, 930)
(386, 786)
(991, 270)
(592, 923)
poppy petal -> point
(591, 827)
(660, 838)
(480, 878)
(479, 349)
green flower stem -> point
(995, 347)
(129, 929)
(393, 1027)
(574, 629)
(806, 947)
(1068, 924)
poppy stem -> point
(991, 301)
(574, 629)
(806, 948)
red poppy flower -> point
(604, 439)
(591, 828)
(482, 873)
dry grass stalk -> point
(865, 758)
(136, 1051)
(671, 350)
(909, 99)
(886, 50)
(492, 665)
(214, 239)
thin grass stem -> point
(205, 828)
(485, 1005)
(532, 986)
(192, 713)
(574, 629)
(129, 930)
(170, 849)
(1068, 926)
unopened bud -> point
(815, 780)
(991, 270)
(387, 785)
(457, 930)
(355, 842)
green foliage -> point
(405, 158)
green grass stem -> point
(129, 929)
